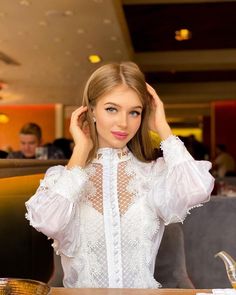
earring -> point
(94, 119)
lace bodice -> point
(107, 220)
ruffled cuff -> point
(174, 151)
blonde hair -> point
(104, 80)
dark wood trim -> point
(19, 167)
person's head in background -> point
(65, 145)
(123, 81)
(30, 138)
(221, 148)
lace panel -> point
(125, 197)
(139, 232)
(95, 191)
(91, 262)
(96, 250)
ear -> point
(92, 110)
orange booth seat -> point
(24, 252)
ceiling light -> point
(106, 21)
(94, 58)
(80, 31)
(25, 2)
(4, 118)
(183, 34)
(57, 39)
(43, 23)
(68, 13)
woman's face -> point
(118, 117)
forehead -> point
(28, 138)
(121, 95)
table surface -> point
(80, 291)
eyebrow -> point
(114, 104)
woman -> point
(106, 209)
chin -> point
(119, 145)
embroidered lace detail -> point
(137, 180)
(119, 154)
(110, 212)
(138, 235)
(94, 189)
(93, 250)
(170, 138)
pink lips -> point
(119, 135)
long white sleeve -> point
(180, 182)
(53, 208)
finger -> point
(78, 116)
(79, 111)
(153, 93)
(150, 88)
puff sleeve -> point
(53, 209)
(179, 182)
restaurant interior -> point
(187, 51)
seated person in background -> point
(224, 163)
(196, 148)
(30, 138)
(64, 144)
(3, 154)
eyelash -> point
(135, 113)
(113, 110)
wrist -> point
(78, 158)
(164, 131)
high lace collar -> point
(112, 154)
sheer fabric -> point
(107, 220)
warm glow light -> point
(183, 34)
(94, 58)
(197, 132)
(4, 119)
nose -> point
(122, 120)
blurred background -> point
(187, 50)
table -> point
(68, 291)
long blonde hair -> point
(103, 80)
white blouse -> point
(107, 220)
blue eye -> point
(135, 113)
(111, 110)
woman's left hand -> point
(157, 120)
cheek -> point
(137, 124)
(103, 121)
(33, 146)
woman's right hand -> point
(80, 132)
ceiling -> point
(44, 47)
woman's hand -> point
(80, 132)
(157, 120)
